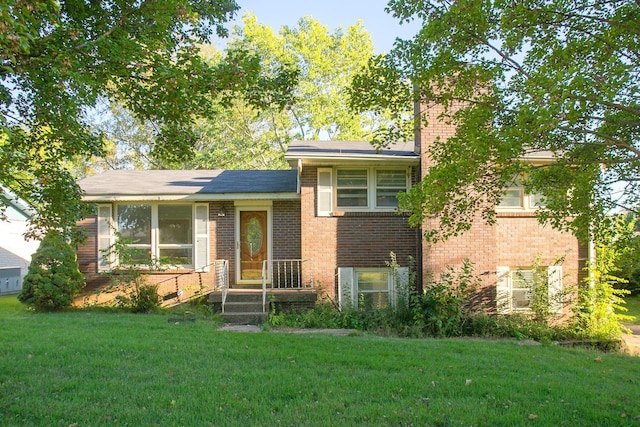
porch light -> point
(222, 211)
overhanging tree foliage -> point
(519, 78)
(238, 134)
(59, 58)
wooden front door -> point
(254, 244)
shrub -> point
(53, 278)
(141, 298)
(129, 278)
(442, 308)
(598, 310)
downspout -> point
(298, 187)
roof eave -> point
(342, 159)
(188, 197)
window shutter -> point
(555, 288)
(325, 192)
(346, 287)
(105, 237)
(503, 294)
(201, 247)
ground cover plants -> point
(113, 368)
(443, 309)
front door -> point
(253, 247)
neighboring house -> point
(330, 222)
(15, 250)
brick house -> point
(331, 220)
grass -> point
(633, 307)
(96, 368)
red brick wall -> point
(286, 229)
(351, 240)
(222, 235)
(478, 245)
(521, 239)
(515, 240)
(88, 250)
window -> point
(134, 225)
(515, 198)
(514, 288)
(352, 188)
(522, 282)
(175, 234)
(359, 189)
(389, 182)
(162, 232)
(373, 287)
(513, 195)
(537, 201)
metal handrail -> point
(286, 274)
(264, 285)
(225, 280)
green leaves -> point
(54, 278)
(521, 78)
(300, 93)
(61, 59)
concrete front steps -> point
(244, 306)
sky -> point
(332, 13)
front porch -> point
(244, 306)
(281, 281)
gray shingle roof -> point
(349, 150)
(189, 182)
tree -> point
(60, 58)
(245, 137)
(625, 245)
(519, 78)
(54, 277)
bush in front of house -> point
(441, 310)
(54, 277)
(141, 298)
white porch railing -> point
(283, 274)
(222, 279)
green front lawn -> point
(633, 307)
(90, 368)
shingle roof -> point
(189, 182)
(349, 150)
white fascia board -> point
(342, 160)
(190, 197)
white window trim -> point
(504, 289)
(155, 246)
(371, 189)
